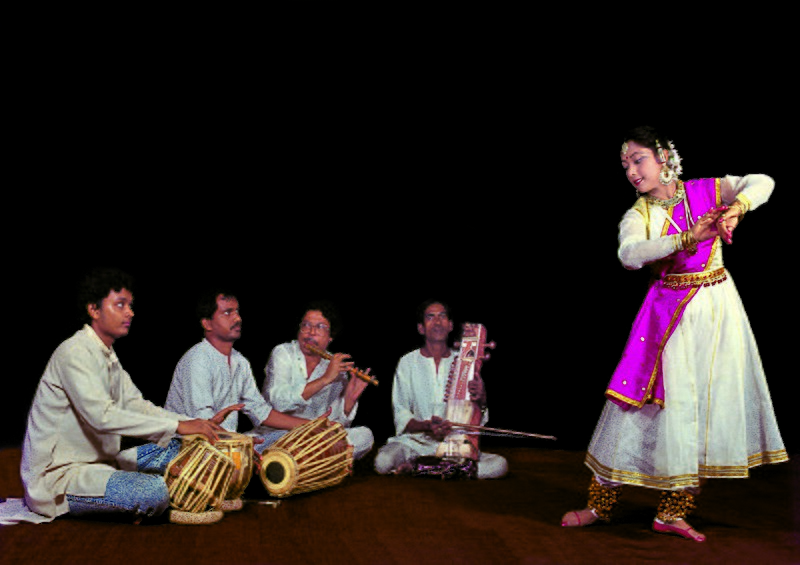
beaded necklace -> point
(680, 193)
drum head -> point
(232, 438)
(278, 471)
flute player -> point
(302, 383)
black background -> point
(485, 175)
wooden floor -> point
(372, 519)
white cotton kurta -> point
(206, 380)
(286, 379)
(84, 403)
(286, 376)
(418, 393)
(717, 420)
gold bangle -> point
(688, 242)
(739, 207)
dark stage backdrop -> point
(505, 209)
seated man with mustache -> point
(213, 374)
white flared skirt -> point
(717, 421)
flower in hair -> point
(674, 160)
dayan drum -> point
(239, 449)
(198, 479)
(313, 456)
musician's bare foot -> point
(403, 468)
(578, 518)
(679, 528)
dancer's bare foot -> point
(678, 528)
(578, 518)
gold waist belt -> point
(690, 280)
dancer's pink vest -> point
(638, 378)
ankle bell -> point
(603, 499)
(675, 505)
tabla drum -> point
(313, 456)
(198, 479)
(239, 449)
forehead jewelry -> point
(624, 148)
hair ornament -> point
(673, 160)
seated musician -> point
(417, 400)
(213, 374)
(302, 383)
(85, 403)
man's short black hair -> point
(328, 310)
(97, 284)
(207, 302)
(424, 306)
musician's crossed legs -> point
(393, 455)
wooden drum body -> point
(313, 456)
(198, 479)
(239, 449)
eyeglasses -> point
(306, 327)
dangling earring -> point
(666, 175)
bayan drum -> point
(239, 449)
(313, 456)
(198, 479)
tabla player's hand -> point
(220, 416)
(198, 426)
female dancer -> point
(689, 398)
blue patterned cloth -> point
(142, 493)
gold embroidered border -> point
(633, 402)
(746, 202)
(631, 478)
(682, 281)
(641, 206)
(688, 480)
(648, 395)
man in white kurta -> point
(84, 403)
(418, 400)
(212, 375)
(205, 379)
(301, 383)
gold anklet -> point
(675, 505)
(603, 499)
